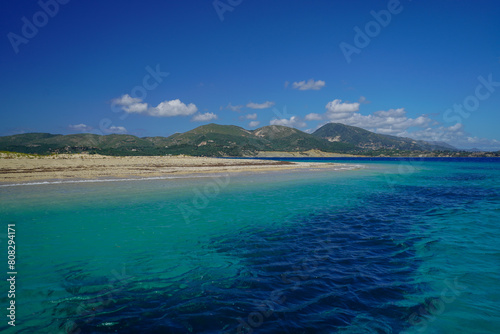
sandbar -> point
(21, 168)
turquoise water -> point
(394, 247)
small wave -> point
(104, 180)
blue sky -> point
(422, 69)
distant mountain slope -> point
(337, 132)
(214, 140)
(230, 140)
(25, 139)
(292, 140)
(223, 140)
(44, 143)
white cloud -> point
(265, 105)
(363, 100)
(171, 108)
(313, 117)
(294, 121)
(337, 106)
(126, 100)
(421, 128)
(482, 143)
(208, 116)
(309, 85)
(115, 129)
(456, 127)
(450, 134)
(393, 121)
(234, 108)
(454, 135)
(136, 108)
(396, 122)
(81, 128)
(337, 110)
(251, 116)
(130, 104)
(400, 112)
(253, 124)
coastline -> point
(27, 169)
(304, 154)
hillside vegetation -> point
(226, 140)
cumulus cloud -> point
(392, 122)
(337, 106)
(236, 108)
(396, 122)
(126, 100)
(313, 117)
(251, 116)
(136, 108)
(294, 122)
(400, 112)
(454, 135)
(253, 124)
(115, 129)
(441, 133)
(483, 143)
(171, 108)
(130, 104)
(265, 105)
(208, 116)
(363, 100)
(309, 85)
(338, 110)
(80, 127)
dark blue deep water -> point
(398, 246)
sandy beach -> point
(28, 168)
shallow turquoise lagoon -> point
(398, 246)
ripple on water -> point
(322, 273)
(355, 271)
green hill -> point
(364, 139)
(230, 140)
(292, 140)
(43, 143)
(214, 140)
(223, 140)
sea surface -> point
(393, 246)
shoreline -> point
(76, 168)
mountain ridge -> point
(370, 140)
(227, 140)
